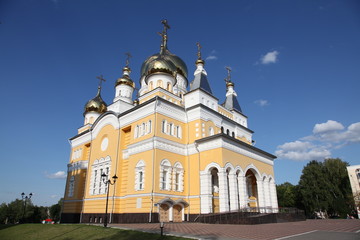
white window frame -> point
(165, 167)
(71, 186)
(97, 186)
(140, 173)
(178, 177)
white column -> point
(273, 196)
(260, 192)
(205, 192)
(269, 196)
(242, 192)
(234, 203)
(223, 191)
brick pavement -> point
(254, 232)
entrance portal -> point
(177, 213)
(164, 213)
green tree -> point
(286, 195)
(3, 213)
(324, 186)
(55, 211)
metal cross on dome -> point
(228, 78)
(127, 59)
(166, 25)
(101, 79)
(199, 50)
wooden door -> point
(164, 213)
(177, 213)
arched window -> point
(222, 129)
(172, 129)
(228, 132)
(136, 134)
(163, 126)
(211, 131)
(214, 180)
(149, 127)
(103, 165)
(233, 134)
(151, 85)
(168, 87)
(140, 176)
(178, 131)
(143, 129)
(165, 174)
(159, 83)
(178, 176)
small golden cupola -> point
(164, 69)
(94, 107)
(124, 86)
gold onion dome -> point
(125, 79)
(96, 104)
(166, 62)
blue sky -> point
(295, 65)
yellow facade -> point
(176, 152)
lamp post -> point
(107, 182)
(25, 198)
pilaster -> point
(234, 203)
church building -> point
(172, 153)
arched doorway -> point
(251, 187)
(177, 213)
(215, 190)
(164, 212)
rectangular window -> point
(140, 180)
(177, 180)
(163, 180)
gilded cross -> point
(166, 26)
(128, 59)
(101, 79)
(199, 50)
(228, 78)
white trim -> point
(109, 119)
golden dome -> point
(228, 84)
(96, 104)
(200, 61)
(125, 79)
(166, 62)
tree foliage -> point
(288, 195)
(15, 212)
(55, 211)
(325, 186)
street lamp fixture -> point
(25, 199)
(108, 183)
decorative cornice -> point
(232, 144)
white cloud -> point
(302, 151)
(211, 56)
(318, 146)
(329, 126)
(262, 102)
(57, 175)
(270, 57)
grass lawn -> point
(71, 231)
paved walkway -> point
(311, 229)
